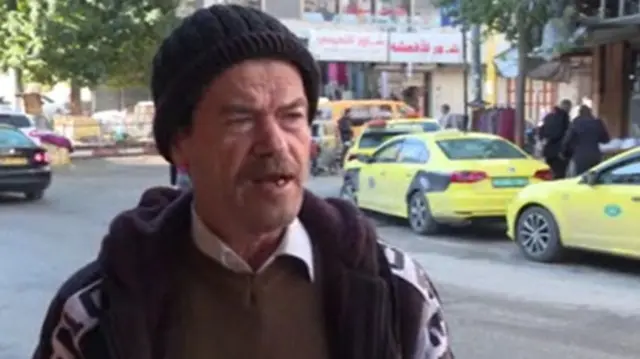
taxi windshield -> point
(374, 139)
(478, 149)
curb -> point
(80, 153)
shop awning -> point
(550, 62)
(546, 62)
(558, 70)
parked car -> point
(24, 165)
(27, 125)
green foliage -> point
(18, 37)
(500, 15)
(84, 42)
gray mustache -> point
(270, 166)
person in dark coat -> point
(344, 126)
(248, 263)
(553, 130)
(583, 140)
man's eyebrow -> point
(299, 102)
(234, 108)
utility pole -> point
(521, 83)
(465, 76)
(476, 63)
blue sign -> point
(612, 210)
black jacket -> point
(344, 126)
(553, 130)
(584, 138)
(378, 302)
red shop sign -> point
(427, 48)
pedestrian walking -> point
(553, 130)
(249, 264)
(583, 140)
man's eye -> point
(239, 120)
(294, 116)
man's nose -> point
(269, 136)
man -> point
(554, 127)
(344, 127)
(248, 264)
(447, 120)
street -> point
(498, 305)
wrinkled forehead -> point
(262, 85)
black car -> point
(24, 166)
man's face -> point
(248, 149)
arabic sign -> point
(430, 47)
(337, 45)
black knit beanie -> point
(204, 45)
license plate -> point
(13, 161)
(510, 182)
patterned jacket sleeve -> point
(430, 336)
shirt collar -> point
(295, 243)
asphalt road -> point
(499, 306)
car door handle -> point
(635, 199)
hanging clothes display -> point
(498, 121)
(506, 124)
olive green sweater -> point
(276, 314)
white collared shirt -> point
(295, 243)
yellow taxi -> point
(378, 131)
(440, 177)
(364, 110)
(597, 211)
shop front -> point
(427, 66)
(347, 60)
(432, 63)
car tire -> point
(349, 193)
(537, 235)
(34, 195)
(419, 215)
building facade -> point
(377, 48)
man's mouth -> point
(278, 180)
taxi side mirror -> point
(590, 178)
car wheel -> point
(34, 196)
(538, 236)
(348, 192)
(419, 215)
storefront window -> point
(320, 10)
